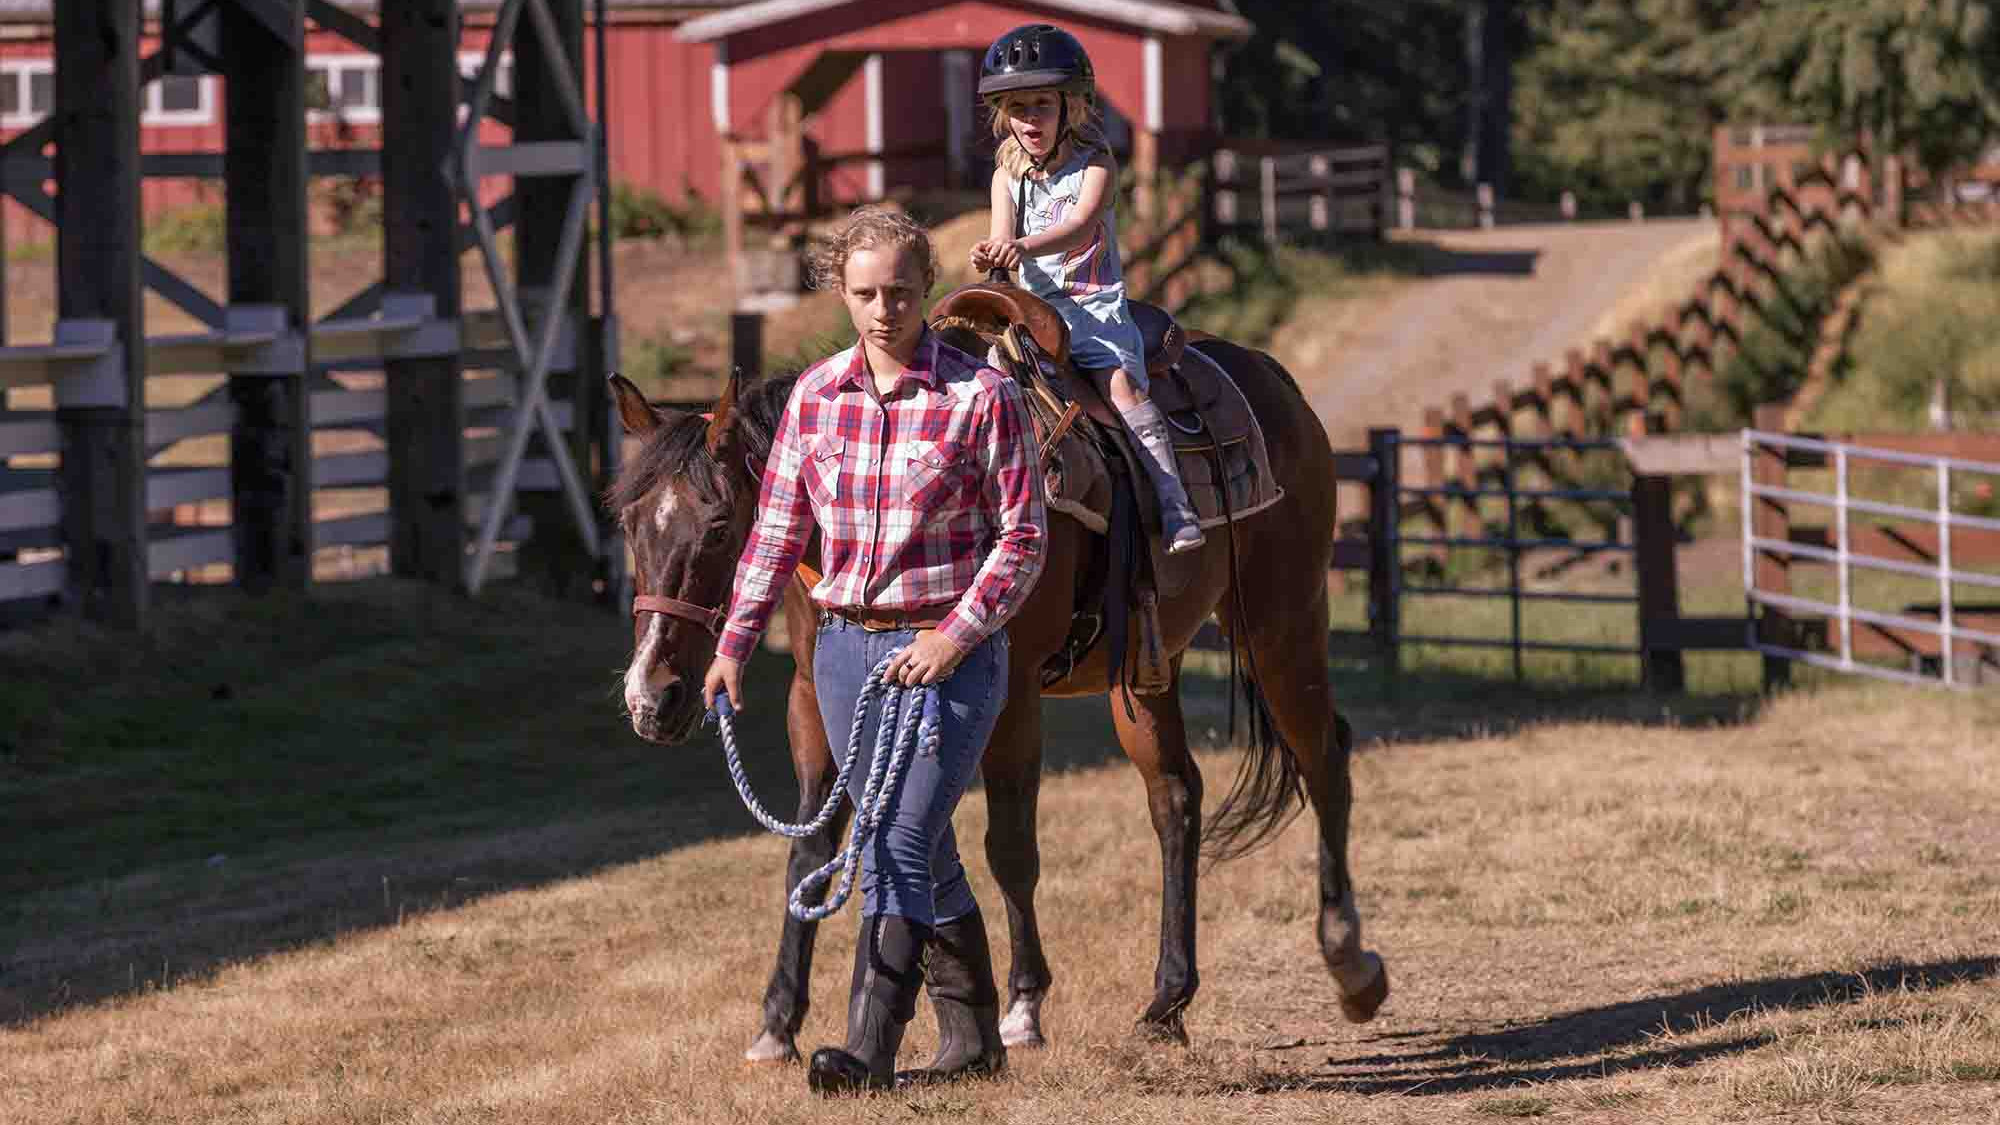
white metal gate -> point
(1955, 641)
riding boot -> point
(1179, 530)
(959, 976)
(887, 973)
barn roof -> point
(42, 11)
(1153, 15)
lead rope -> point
(909, 723)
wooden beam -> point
(97, 269)
(264, 177)
(426, 406)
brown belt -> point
(891, 620)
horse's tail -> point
(1267, 792)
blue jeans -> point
(910, 867)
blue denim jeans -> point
(910, 867)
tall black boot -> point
(887, 973)
(959, 976)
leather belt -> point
(891, 620)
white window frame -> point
(19, 71)
(204, 114)
(469, 63)
(358, 115)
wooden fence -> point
(1312, 193)
(189, 535)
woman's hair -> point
(870, 227)
(1084, 130)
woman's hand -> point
(928, 659)
(724, 675)
(1004, 253)
(980, 262)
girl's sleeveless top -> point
(1091, 274)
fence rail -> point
(1332, 191)
(1948, 641)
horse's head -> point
(685, 502)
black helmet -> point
(1035, 56)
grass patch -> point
(1525, 1105)
(1266, 283)
(1933, 316)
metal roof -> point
(1153, 15)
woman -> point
(916, 463)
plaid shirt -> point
(926, 497)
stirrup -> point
(1187, 538)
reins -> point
(909, 724)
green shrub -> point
(1779, 334)
(638, 212)
(198, 229)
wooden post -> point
(101, 413)
(1268, 196)
(1662, 668)
(1464, 513)
(1406, 198)
(264, 176)
(746, 344)
(425, 423)
(731, 200)
(1145, 177)
(1770, 520)
(1385, 618)
(1483, 194)
(556, 557)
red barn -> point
(884, 88)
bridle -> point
(704, 616)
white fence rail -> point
(1952, 642)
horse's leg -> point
(1290, 649)
(1013, 771)
(786, 998)
(1154, 736)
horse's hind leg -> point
(786, 997)
(1012, 768)
(1154, 735)
(1290, 650)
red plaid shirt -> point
(926, 497)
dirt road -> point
(1493, 304)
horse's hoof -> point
(1362, 1006)
(772, 1047)
(1169, 1031)
(1021, 1027)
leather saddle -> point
(1092, 473)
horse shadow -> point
(1573, 1044)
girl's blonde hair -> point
(1084, 129)
(867, 227)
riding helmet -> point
(1035, 56)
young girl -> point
(1055, 174)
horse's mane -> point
(681, 446)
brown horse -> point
(686, 501)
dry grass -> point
(1790, 917)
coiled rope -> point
(909, 724)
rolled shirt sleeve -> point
(1012, 494)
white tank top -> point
(1090, 274)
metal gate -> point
(1495, 497)
(1879, 532)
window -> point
(344, 87)
(178, 99)
(503, 82)
(27, 92)
(1746, 177)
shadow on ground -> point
(1575, 1044)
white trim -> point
(718, 88)
(958, 95)
(341, 63)
(20, 71)
(1156, 99)
(871, 72)
(1154, 15)
(150, 113)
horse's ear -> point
(724, 418)
(638, 415)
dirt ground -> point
(1490, 306)
(1782, 917)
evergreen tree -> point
(1912, 75)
